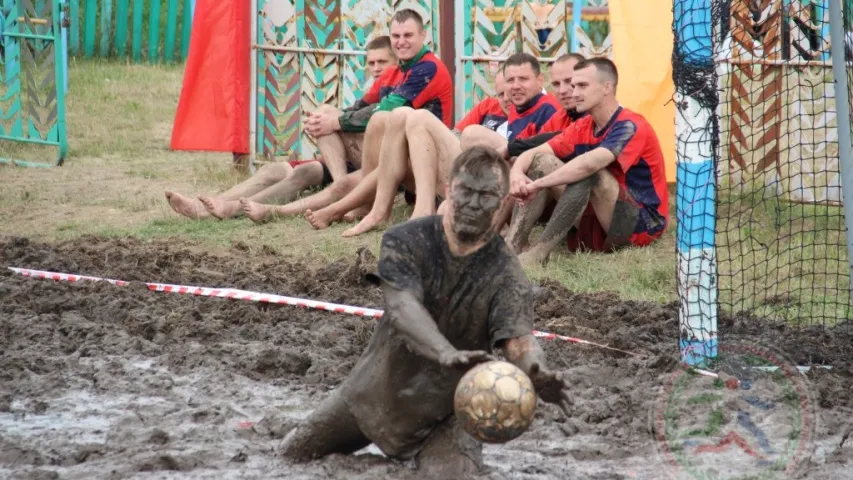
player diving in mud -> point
(454, 294)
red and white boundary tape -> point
(236, 294)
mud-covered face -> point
(475, 200)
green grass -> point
(119, 126)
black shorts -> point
(327, 175)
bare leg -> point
(524, 218)
(356, 214)
(393, 167)
(601, 190)
(226, 204)
(433, 148)
(331, 428)
(261, 213)
(363, 193)
(480, 136)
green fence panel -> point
(74, 28)
(136, 43)
(186, 28)
(154, 32)
(171, 30)
(122, 10)
(91, 12)
(106, 24)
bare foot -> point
(533, 256)
(258, 212)
(321, 218)
(186, 206)
(221, 209)
(359, 212)
(369, 222)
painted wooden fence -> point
(139, 30)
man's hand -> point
(551, 387)
(464, 358)
(320, 124)
(522, 188)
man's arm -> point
(520, 145)
(416, 326)
(355, 121)
(525, 353)
(578, 169)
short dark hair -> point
(400, 16)
(477, 160)
(379, 43)
(517, 59)
(570, 56)
(602, 65)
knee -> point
(416, 118)
(275, 169)
(303, 176)
(472, 136)
(603, 184)
(377, 122)
(327, 109)
(543, 164)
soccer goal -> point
(763, 165)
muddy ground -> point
(101, 381)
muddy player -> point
(453, 292)
(608, 167)
(424, 84)
(281, 182)
(432, 146)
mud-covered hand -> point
(464, 358)
(551, 387)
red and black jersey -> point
(639, 165)
(381, 87)
(528, 120)
(422, 82)
(558, 122)
(487, 113)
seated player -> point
(423, 83)
(281, 182)
(608, 166)
(492, 112)
(454, 293)
(432, 147)
(561, 84)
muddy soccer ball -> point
(495, 402)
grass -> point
(119, 126)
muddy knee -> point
(307, 175)
(275, 169)
(416, 119)
(543, 164)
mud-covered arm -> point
(355, 121)
(552, 387)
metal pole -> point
(459, 25)
(842, 104)
(577, 13)
(253, 82)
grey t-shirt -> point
(477, 301)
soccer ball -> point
(495, 402)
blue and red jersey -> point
(421, 83)
(528, 120)
(487, 113)
(639, 165)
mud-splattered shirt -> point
(477, 301)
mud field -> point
(102, 381)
